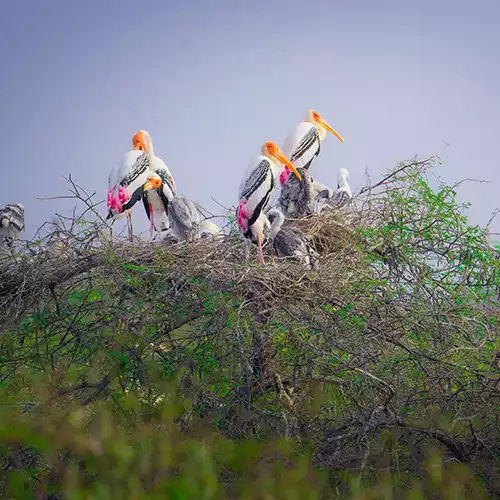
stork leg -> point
(129, 223)
(260, 254)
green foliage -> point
(171, 373)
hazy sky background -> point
(213, 80)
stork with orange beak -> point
(301, 147)
(155, 201)
(255, 189)
(127, 183)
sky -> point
(213, 80)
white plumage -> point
(156, 200)
(127, 183)
(255, 189)
(208, 228)
(301, 147)
(303, 144)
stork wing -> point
(163, 171)
(303, 145)
(12, 216)
(256, 189)
(340, 198)
(183, 213)
(131, 176)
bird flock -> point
(141, 175)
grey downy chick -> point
(288, 241)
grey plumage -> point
(297, 197)
(340, 197)
(11, 221)
(184, 218)
(290, 242)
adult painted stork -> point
(255, 189)
(127, 183)
(185, 218)
(301, 147)
(155, 200)
(338, 198)
(11, 221)
(288, 241)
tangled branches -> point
(387, 344)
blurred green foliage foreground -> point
(153, 371)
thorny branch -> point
(397, 311)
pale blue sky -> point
(213, 80)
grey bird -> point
(289, 241)
(297, 197)
(11, 222)
(338, 198)
(185, 219)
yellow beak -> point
(283, 159)
(330, 129)
(152, 184)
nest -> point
(30, 273)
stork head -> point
(142, 141)
(272, 151)
(316, 119)
(153, 182)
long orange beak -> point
(138, 142)
(283, 159)
(330, 129)
(152, 184)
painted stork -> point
(11, 221)
(185, 218)
(255, 189)
(301, 147)
(155, 200)
(288, 241)
(341, 196)
(297, 197)
(127, 183)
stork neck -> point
(342, 182)
(149, 144)
(321, 130)
(149, 149)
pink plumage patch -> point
(116, 202)
(284, 175)
(243, 216)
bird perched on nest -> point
(297, 197)
(155, 200)
(11, 222)
(185, 219)
(255, 189)
(289, 241)
(338, 198)
(208, 229)
(127, 182)
(301, 147)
